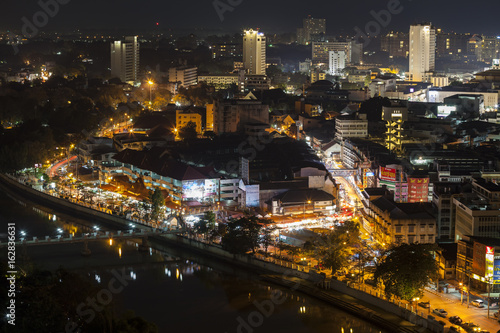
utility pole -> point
(489, 290)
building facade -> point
(422, 51)
(254, 52)
(125, 59)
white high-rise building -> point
(422, 51)
(254, 52)
(337, 62)
(125, 59)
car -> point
(440, 312)
(455, 320)
(456, 329)
(425, 305)
(478, 303)
(470, 327)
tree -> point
(206, 226)
(334, 250)
(406, 269)
(157, 203)
(267, 237)
(242, 235)
(188, 131)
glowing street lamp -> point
(150, 87)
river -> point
(174, 290)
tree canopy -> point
(406, 269)
(334, 250)
(243, 234)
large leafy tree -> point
(406, 269)
(243, 235)
(188, 131)
(334, 250)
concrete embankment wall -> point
(286, 273)
(239, 259)
(246, 261)
(64, 205)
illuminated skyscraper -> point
(422, 51)
(311, 30)
(125, 59)
(254, 52)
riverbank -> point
(375, 310)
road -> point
(451, 303)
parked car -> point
(478, 303)
(455, 320)
(456, 329)
(495, 314)
(440, 312)
(470, 327)
(425, 305)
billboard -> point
(490, 258)
(418, 189)
(496, 272)
(199, 189)
(388, 174)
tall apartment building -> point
(451, 44)
(184, 75)
(488, 49)
(422, 51)
(321, 51)
(254, 52)
(337, 62)
(311, 28)
(395, 43)
(125, 59)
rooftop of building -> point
(304, 195)
(490, 72)
(489, 186)
(156, 161)
(404, 211)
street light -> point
(150, 87)
(308, 202)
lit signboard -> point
(418, 189)
(199, 189)
(445, 110)
(388, 174)
(496, 272)
(490, 258)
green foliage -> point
(242, 235)
(157, 203)
(188, 132)
(206, 226)
(334, 250)
(406, 269)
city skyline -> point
(341, 18)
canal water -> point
(174, 290)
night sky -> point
(479, 16)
